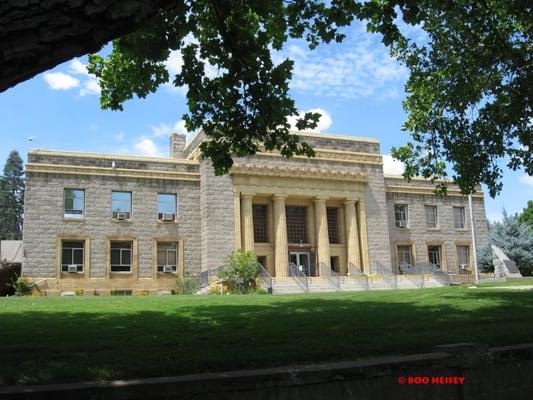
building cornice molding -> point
(334, 156)
(112, 172)
(404, 189)
(111, 157)
(298, 172)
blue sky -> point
(355, 85)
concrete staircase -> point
(289, 285)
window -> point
(72, 256)
(121, 256)
(432, 218)
(463, 257)
(333, 224)
(405, 255)
(167, 257)
(434, 255)
(459, 217)
(166, 207)
(74, 203)
(400, 215)
(296, 224)
(259, 212)
(121, 205)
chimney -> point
(177, 144)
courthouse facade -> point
(113, 222)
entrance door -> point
(301, 260)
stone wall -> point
(420, 236)
(451, 372)
(44, 220)
(217, 216)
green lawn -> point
(47, 339)
(513, 282)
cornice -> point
(349, 157)
(298, 172)
(112, 172)
(404, 189)
(110, 157)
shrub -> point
(79, 292)
(240, 271)
(186, 284)
(23, 287)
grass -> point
(513, 282)
(51, 340)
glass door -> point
(301, 260)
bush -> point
(186, 284)
(240, 271)
(23, 287)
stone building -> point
(102, 222)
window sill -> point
(166, 222)
(73, 219)
(76, 275)
(461, 229)
(121, 221)
(403, 229)
(434, 229)
(120, 273)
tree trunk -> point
(36, 35)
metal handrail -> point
(299, 276)
(265, 279)
(333, 277)
(361, 276)
(388, 276)
(204, 278)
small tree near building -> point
(514, 238)
(240, 271)
(527, 215)
(12, 197)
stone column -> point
(281, 250)
(353, 256)
(363, 236)
(247, 222)
(237, 220)
(322, 236)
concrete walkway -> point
(528, 287)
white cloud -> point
(166, 129)
(146, 147)
(360, 67)
(90, 86)
(78, 68)
(323, 123)
(527, 180)
(60, 81)
(392, 166)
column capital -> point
(350, 201)
(247, 195)
(279, 196)
(320, 199)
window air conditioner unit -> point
(463, 267)
(167, 217)
(122, 216)
(167, 269)
(72, 268)
(402, 224)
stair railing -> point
(204, 278)
(360, 276)
(265, 279)
(388, 276)
(299, 276)
(333, 277)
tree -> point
(527, 215)
(516, 241)
(469, 91)
(469, 97)
(12, 197)
(37, 35)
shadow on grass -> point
(198, 335)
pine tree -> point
(514, 238)
(527, 215)
(12, 197)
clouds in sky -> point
(360, 67)
(60, 81)
(392, 166)
(323, 123)
(88, 85)
(147, 147)
(527, 180)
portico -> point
(292, 215)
